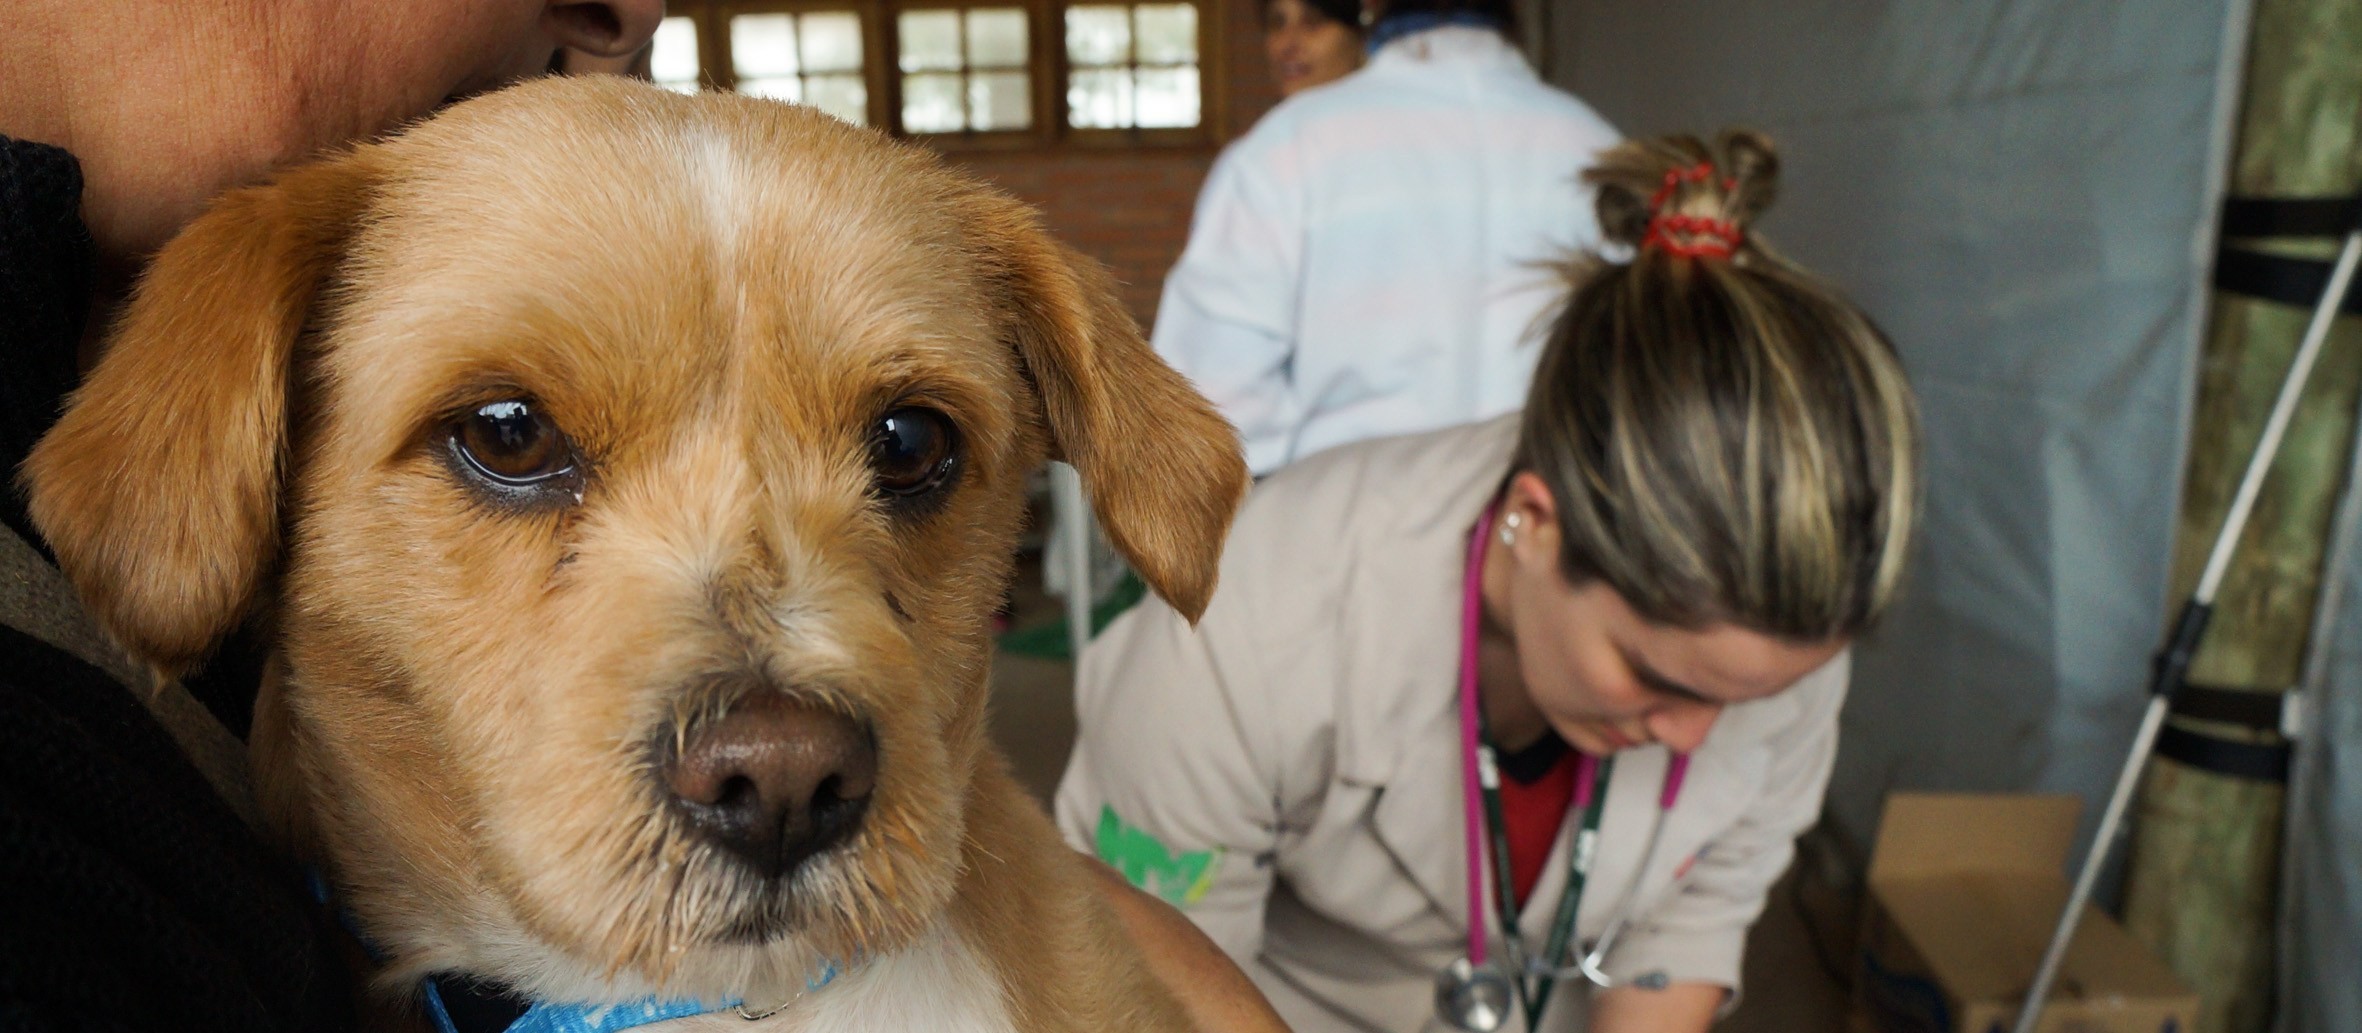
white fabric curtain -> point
(2020, 194)
(2321, 885)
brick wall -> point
(1130, 207)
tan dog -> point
(625, 480)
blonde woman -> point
(1512, 725)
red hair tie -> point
(1689, 236)
(1692, 236)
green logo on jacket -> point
(1151, 865)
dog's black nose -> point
(775, 781)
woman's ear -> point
(1530, 515)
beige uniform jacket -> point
(1288, 772)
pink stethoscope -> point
(1471, 993)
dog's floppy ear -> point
(159, 487)
(1163, 470)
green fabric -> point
(1049, 641)
(1181, 878)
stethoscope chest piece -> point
(1472, 997)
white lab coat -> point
(1288, 772)
(1368, 260)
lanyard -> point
(1591, 778)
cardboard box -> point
(1963, 893)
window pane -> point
(996, 38)
(673, 62)
(1168, 98)
(1000, 100)
(1100, 99)
(931, 103)
(845, 96)
(1098, 35)
(930, 40)
(1168, 36)
(763, 45)
(785, 87)
(832, 42)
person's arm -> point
(1219, 997)
(1696, 938)
(1172, 782)
(1679, 1008)
(1227, 318)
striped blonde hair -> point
(1726, 438)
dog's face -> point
(625, 480)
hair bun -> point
(1679, 194)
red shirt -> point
(1533, 810)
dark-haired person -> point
(1310, 42)
(1553, 692)
(1365, 260)
(133, 893)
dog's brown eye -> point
(511, 444)
(912, 451)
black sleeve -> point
(131, 897)
(45, 277)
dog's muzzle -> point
(774, 781)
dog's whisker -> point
(883, 877)
(667, 940)
(662, 948)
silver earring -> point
(1509, 529)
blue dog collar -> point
(545, 1017)
(457, 1004)
(461, 1006)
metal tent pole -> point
(2174, 663)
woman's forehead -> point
(1720, 662)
